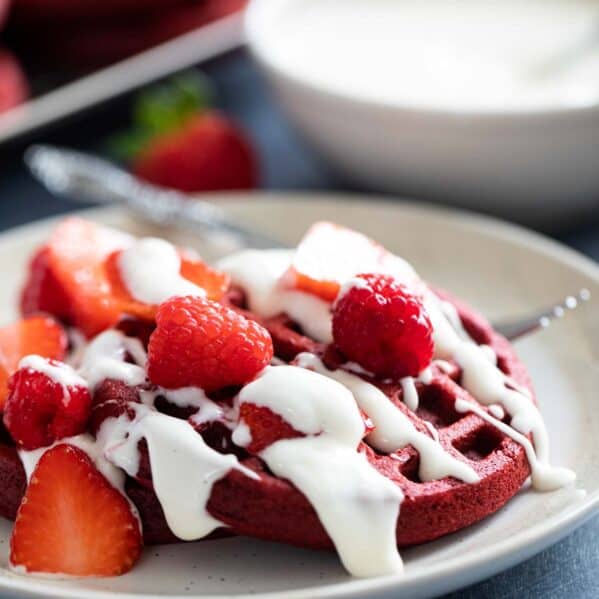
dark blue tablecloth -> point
(570, 568)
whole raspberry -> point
(41, 409)
(382, 326)
(200, 343)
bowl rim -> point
(254, 24)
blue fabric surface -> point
(568, 569)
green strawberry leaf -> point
(160, 109)
(167, 106)
(124, 146)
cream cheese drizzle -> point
(544, 477)
(488, 385)
(59, 372)
(184, 468)
(259, 273)
(150, 270)
(104, 358)
(87, 444)
(326, 467)
(408, 386)
(393, 429)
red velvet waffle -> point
(273, 509)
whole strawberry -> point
(381, 325)
(179, 141)
(200, 343)
(207, 153)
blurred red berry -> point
(207, 153)
(14, 89)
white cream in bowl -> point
(492, 105)
(448, 54)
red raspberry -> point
(200, 343)
(40, 410)
(383, 327)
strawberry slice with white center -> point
(73, 521)
(329, 255)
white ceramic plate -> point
(500, 269)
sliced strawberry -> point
(35, 335)
(42, 291)
(213, 282)
(73, 521)
(127, 304)
(265, 427)
(76, 278)
(77, 253)
(329, 255)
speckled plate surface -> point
(501, 270)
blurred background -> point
(485, 104)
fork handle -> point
(86, 178)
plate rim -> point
(451, 574)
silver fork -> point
(514, 329)
(86, 178)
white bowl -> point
(536, 166)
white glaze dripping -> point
(184, 468)
(104, 358)
(325, 466)
(87, 444)
(488, 384)
(259, 274)
(194, 397)
(544, 477)
(60, 373)
(393, 430)
(150, 270)
(410, 392)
